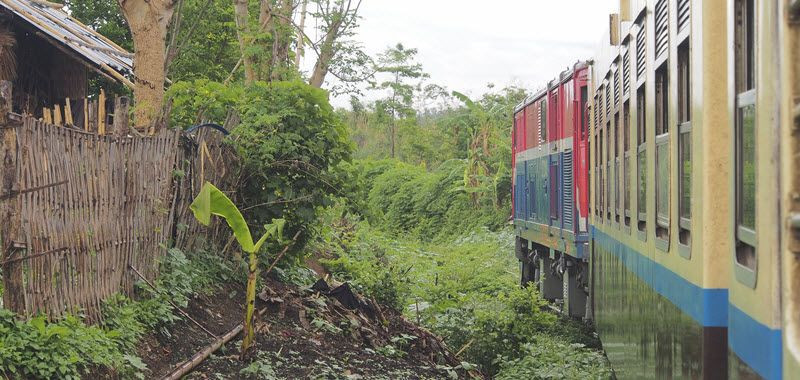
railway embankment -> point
(418, 245)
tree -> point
(148, 21)
(398, 64)
(486, 123)
(205, 46)
(338, 19)
(265, 48)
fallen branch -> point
(198, 358)
(465, 347)
(286, 248)
(185, 314)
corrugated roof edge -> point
(94, 49)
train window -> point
(641, 50)
(584, 113)
(745, 132)
(626, 163)
(662, 153)
(596, 163)
(542, 122)
(597, 149)
(641, 159)
(609, 160)
(684, 145)
(600, 177)
(617, 188)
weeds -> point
(465, 289)
(69, 349)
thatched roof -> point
(76, 39)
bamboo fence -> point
(80, 208)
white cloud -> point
(466, 44)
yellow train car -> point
(695, 190)
(789, 65)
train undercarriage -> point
(560, 278)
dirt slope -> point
(302, 334)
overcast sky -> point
(465, 44)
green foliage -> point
(193, 101)
(289, 139)
(463, 288)
(68, 348)
(212, 201)
(398, 347)
(208, 48)
(407, 199)
(548, 358)
(41, 350)
(260, 368)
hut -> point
(50, 57)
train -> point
(656, 189)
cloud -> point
(466, 44)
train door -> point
(554, 159)
(582, 157)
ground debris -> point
(321, 332)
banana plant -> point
(212, 201)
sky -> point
(466, 44)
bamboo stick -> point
(101, 113)
(47, 117)
(198, 358)
(86, 114)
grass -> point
(465, 289)
(70, 349)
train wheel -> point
(528, 272)
(574, 296)
(550, 284)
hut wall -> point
(46, 75)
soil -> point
(301, 334)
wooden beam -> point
(13, 294)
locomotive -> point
(656, 189)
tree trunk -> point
(325, 56)
(393, 135)
(249, 333)
(242, 17)
(300, 35)
(148, 21)
(282, 37)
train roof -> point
(563, 77)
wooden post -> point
(121, 104)
(92, 117)
(47, 117)
(101, 113)
(57, 120)
(13, 296)
(68, 113)
(86, 114)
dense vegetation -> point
(405, 196)
(71, 349)
(422, 247)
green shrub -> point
(430, 205)
(466, 289)
(548, 358)
(68, 348)
(289, 140)
(37, 349)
